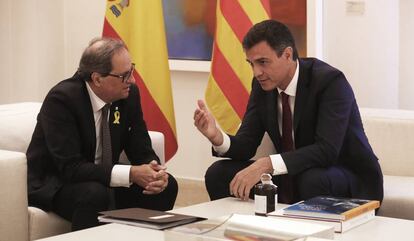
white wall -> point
(83, 20)
(6, 50)
(366, 48)
(31, 47)
(194, 151)
(41, 43)
(406, 49)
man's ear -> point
(288, 53)
(96, 79)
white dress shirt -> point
(120, 173)
(279, 166)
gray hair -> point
(97, 57)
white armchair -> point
(18, 221)
(390, 133)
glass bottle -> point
(265, 195)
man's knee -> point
(172, 188)
(220, 173)
(331, 181)
(94, 194)
(213, 172)
(217, 180)
(312, 182)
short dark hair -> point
(275, 33)
(97, 57)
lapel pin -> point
(117, 116)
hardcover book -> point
(146, 218)
(340, 226)
(331, 208)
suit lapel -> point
(302, 93)
(90, 132)
(272, 124)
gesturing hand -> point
(245, 179)
(206, 124)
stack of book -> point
(341, 213)
(248, 227)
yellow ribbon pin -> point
(117, 116)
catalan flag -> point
(229, 84)
(140, 24)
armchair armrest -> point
(13, 195)
(157, 140)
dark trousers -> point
(334, 181)
(80, 203)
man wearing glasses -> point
(84, 124)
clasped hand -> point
(152, 177)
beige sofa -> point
(19, 222)
(391, 135)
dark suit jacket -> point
(327, 127)
(62, 149)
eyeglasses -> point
(125, 77)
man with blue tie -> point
(309, 111)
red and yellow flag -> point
(140, 24)
(229, 84)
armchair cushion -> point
(17, 122)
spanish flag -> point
(229, 84)
(140, 24)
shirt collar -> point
(291, 88)
(97, 103)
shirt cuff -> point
(120, 176)
(223, 148)
(279, 166)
